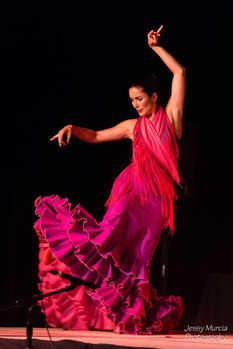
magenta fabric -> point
(114, 253)
(153, 168)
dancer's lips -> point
(140, 110)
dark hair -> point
(149, 83)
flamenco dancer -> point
(116, 253)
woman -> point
(115, 254)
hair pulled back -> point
(149, 83)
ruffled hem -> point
(87, 250)
(67, 310)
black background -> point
(71, 63)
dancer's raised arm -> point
(122, 130)
(175, 104)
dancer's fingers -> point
(68, 138)
(155, 35)
(56, 136)
(160, 28)
(61, 142)
(59, 139)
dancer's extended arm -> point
(123, 130)
(175, 105)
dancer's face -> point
(142, 102)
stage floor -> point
(207, 341)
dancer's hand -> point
(64, 132)
(153, 37)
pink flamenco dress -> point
(116, 253)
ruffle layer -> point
(67, 310)
(97, 253)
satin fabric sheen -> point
(115, 253)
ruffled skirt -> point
(114, 254)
